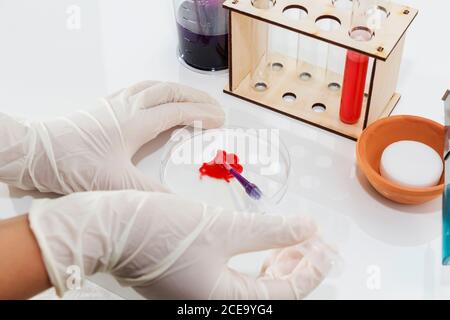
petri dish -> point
(264, 156)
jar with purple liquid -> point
(203, 33)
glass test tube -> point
(335, 67)
(342, 4)
(337, 55)
(362, 28)
(317, 59)
(293, 39)
(311, 58)
(377, 12)
(283, 43)
(334, 55)
(446, 196)
(261, 64)
(306, 52)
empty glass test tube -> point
(305, 51)
(261, 64)
(317, 59)
(378, 12)
(336, 55)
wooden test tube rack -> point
(386, 49)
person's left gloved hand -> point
(92, 150)
(168, 247)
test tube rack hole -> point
(246, 50)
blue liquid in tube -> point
(446, 197)
(446, 227)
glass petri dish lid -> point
(264, 157)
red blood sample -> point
(215, 168)
(354, 84)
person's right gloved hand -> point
(166, 247)
(92, 150)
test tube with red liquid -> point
(364, 21)
(354, 84)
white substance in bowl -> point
(411, 164)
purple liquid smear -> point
(202, 33)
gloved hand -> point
(167, 247)
(92, 150)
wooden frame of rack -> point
(385, 48)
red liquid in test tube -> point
(352, 99)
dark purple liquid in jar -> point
(203, 36)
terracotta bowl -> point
(384, 132)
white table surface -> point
(390, 250)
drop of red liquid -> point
(215, 169)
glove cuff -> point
(49, 260)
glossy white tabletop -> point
(49, 68)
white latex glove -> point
(167, 247)
(295, 262)
(92, 150)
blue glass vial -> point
(446, 197)
(446, 227)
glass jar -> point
(203, 33)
